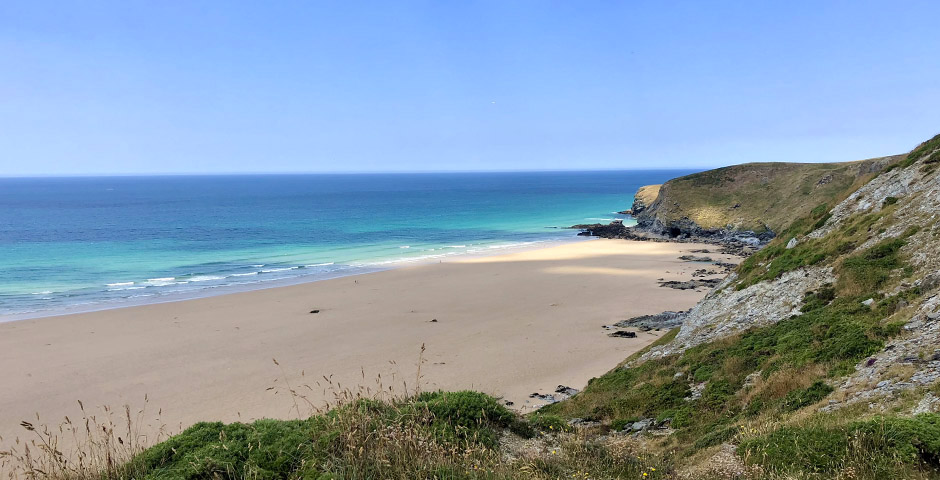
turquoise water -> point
(106, 241)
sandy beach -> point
(507, 325)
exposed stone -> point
(927, 404)
(727, 311)
(691, 284)
(693, 258)
(641, 425)
(582, 423)
(659, 320)
(622, 334)
(566, 390)
(792, 243)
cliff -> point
(751, 202)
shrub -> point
(549, 423)
(716, 437)
(870, 269)
(798, 399)
(265, 449)
(468, 415)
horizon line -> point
(329, 172)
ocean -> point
(85, 243)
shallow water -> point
(67, 242)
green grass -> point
(775, 260)
(882, 447)
(418, 437)
(927, 148)
(437, 435)
(737, 196)
(798, 399)
(468, 415)
(266, 449)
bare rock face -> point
(643, 198)
(727, 311)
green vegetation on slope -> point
(708, 392)
(928, 150)
(775, 259)
(877, 448)
(439, 435)
(758, 196)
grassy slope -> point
(646, 195)
(740, 196)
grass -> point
(927, 149)
(775, 260)
(435, 435)
(736, 196)
(882, 447)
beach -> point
(508, 325)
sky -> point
(137, 87)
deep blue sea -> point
(97, 242)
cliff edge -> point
(750, 202)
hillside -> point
(819, 355)
(758, 199)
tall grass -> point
(97, 445)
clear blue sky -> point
(93, 87)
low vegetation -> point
(438, 435)
(736, 197)
(881, 447)
(927, 150)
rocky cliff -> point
(750, 203)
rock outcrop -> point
(732, 204)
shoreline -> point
(214, 291)
(509, 325)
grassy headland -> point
(754, 197)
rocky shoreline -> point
(739, 243)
